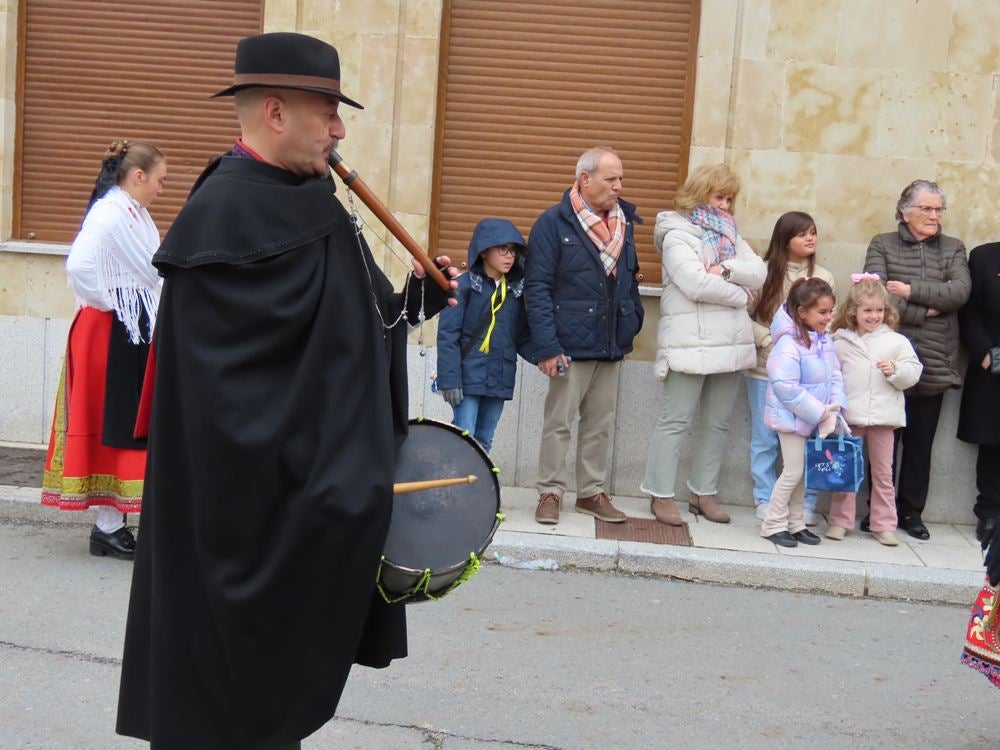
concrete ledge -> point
(744, 568)
(923, 584)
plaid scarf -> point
(609, 237)
(720, 233)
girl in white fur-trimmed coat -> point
(878, 364)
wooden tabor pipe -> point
(355, 183)
(401, 488)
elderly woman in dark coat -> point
(979, 416)
(927, 273)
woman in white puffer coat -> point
(704, 338)
(878, 364)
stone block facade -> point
(828, 107)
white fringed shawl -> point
(109, 262)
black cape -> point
(278, 410)
(979, 327)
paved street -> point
(536, 659)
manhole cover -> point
(643, 530)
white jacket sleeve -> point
(748, 268)
(908, 366)
(682, 264)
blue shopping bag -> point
(835, 464)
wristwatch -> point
(726, 273)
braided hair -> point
(120, 159)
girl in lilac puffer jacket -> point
(805, 391)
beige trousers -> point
(786, 509)
(589, 389)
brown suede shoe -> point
(548, 508)
(599, 506)
(665, 510)
(705, 505)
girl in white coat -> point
(704, 340)
(878, 365)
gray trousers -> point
(589, 389)
(713, 396)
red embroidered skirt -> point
(982, 645)
(80, 471)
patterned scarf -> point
(609, 237)
(719, 241)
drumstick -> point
(430, 484)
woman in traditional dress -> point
(93, 459)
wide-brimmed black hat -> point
(284, 60)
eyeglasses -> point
(928, 210)
(505, 250)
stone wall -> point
(833, 107)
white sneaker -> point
(810, 517)
(762, 509)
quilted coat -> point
(573, 306)
(704, 325)
(479, 373)
(874, 400)
(801, 381)
(762, 329)
(938, 273)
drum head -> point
(439, 528)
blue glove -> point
(452, 396)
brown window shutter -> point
(525, 87)
(94, 72)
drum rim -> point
(451, 568)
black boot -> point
(913, 525)
(119, 544)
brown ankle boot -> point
(705, 505)
(665, 510)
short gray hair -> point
(590, 158)
(908, 198)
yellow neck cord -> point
(494, 308)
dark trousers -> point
(916, 440)
(988, 482)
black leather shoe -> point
(866, 524)
(914, 526)
(806, 537)
(119, 544)
(782, 539)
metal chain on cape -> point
(359, 225)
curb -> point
(694, 564)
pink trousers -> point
(883, 501)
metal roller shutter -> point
(525, 87)
(94, 72)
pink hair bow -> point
(856, 277)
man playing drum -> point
(280, 404)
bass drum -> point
(437, 537)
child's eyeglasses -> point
(505, 250)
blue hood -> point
(492, 232)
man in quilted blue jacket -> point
(582, 298)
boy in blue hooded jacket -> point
(479, 339)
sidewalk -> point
(947, 568)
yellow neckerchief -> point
(494, 308)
